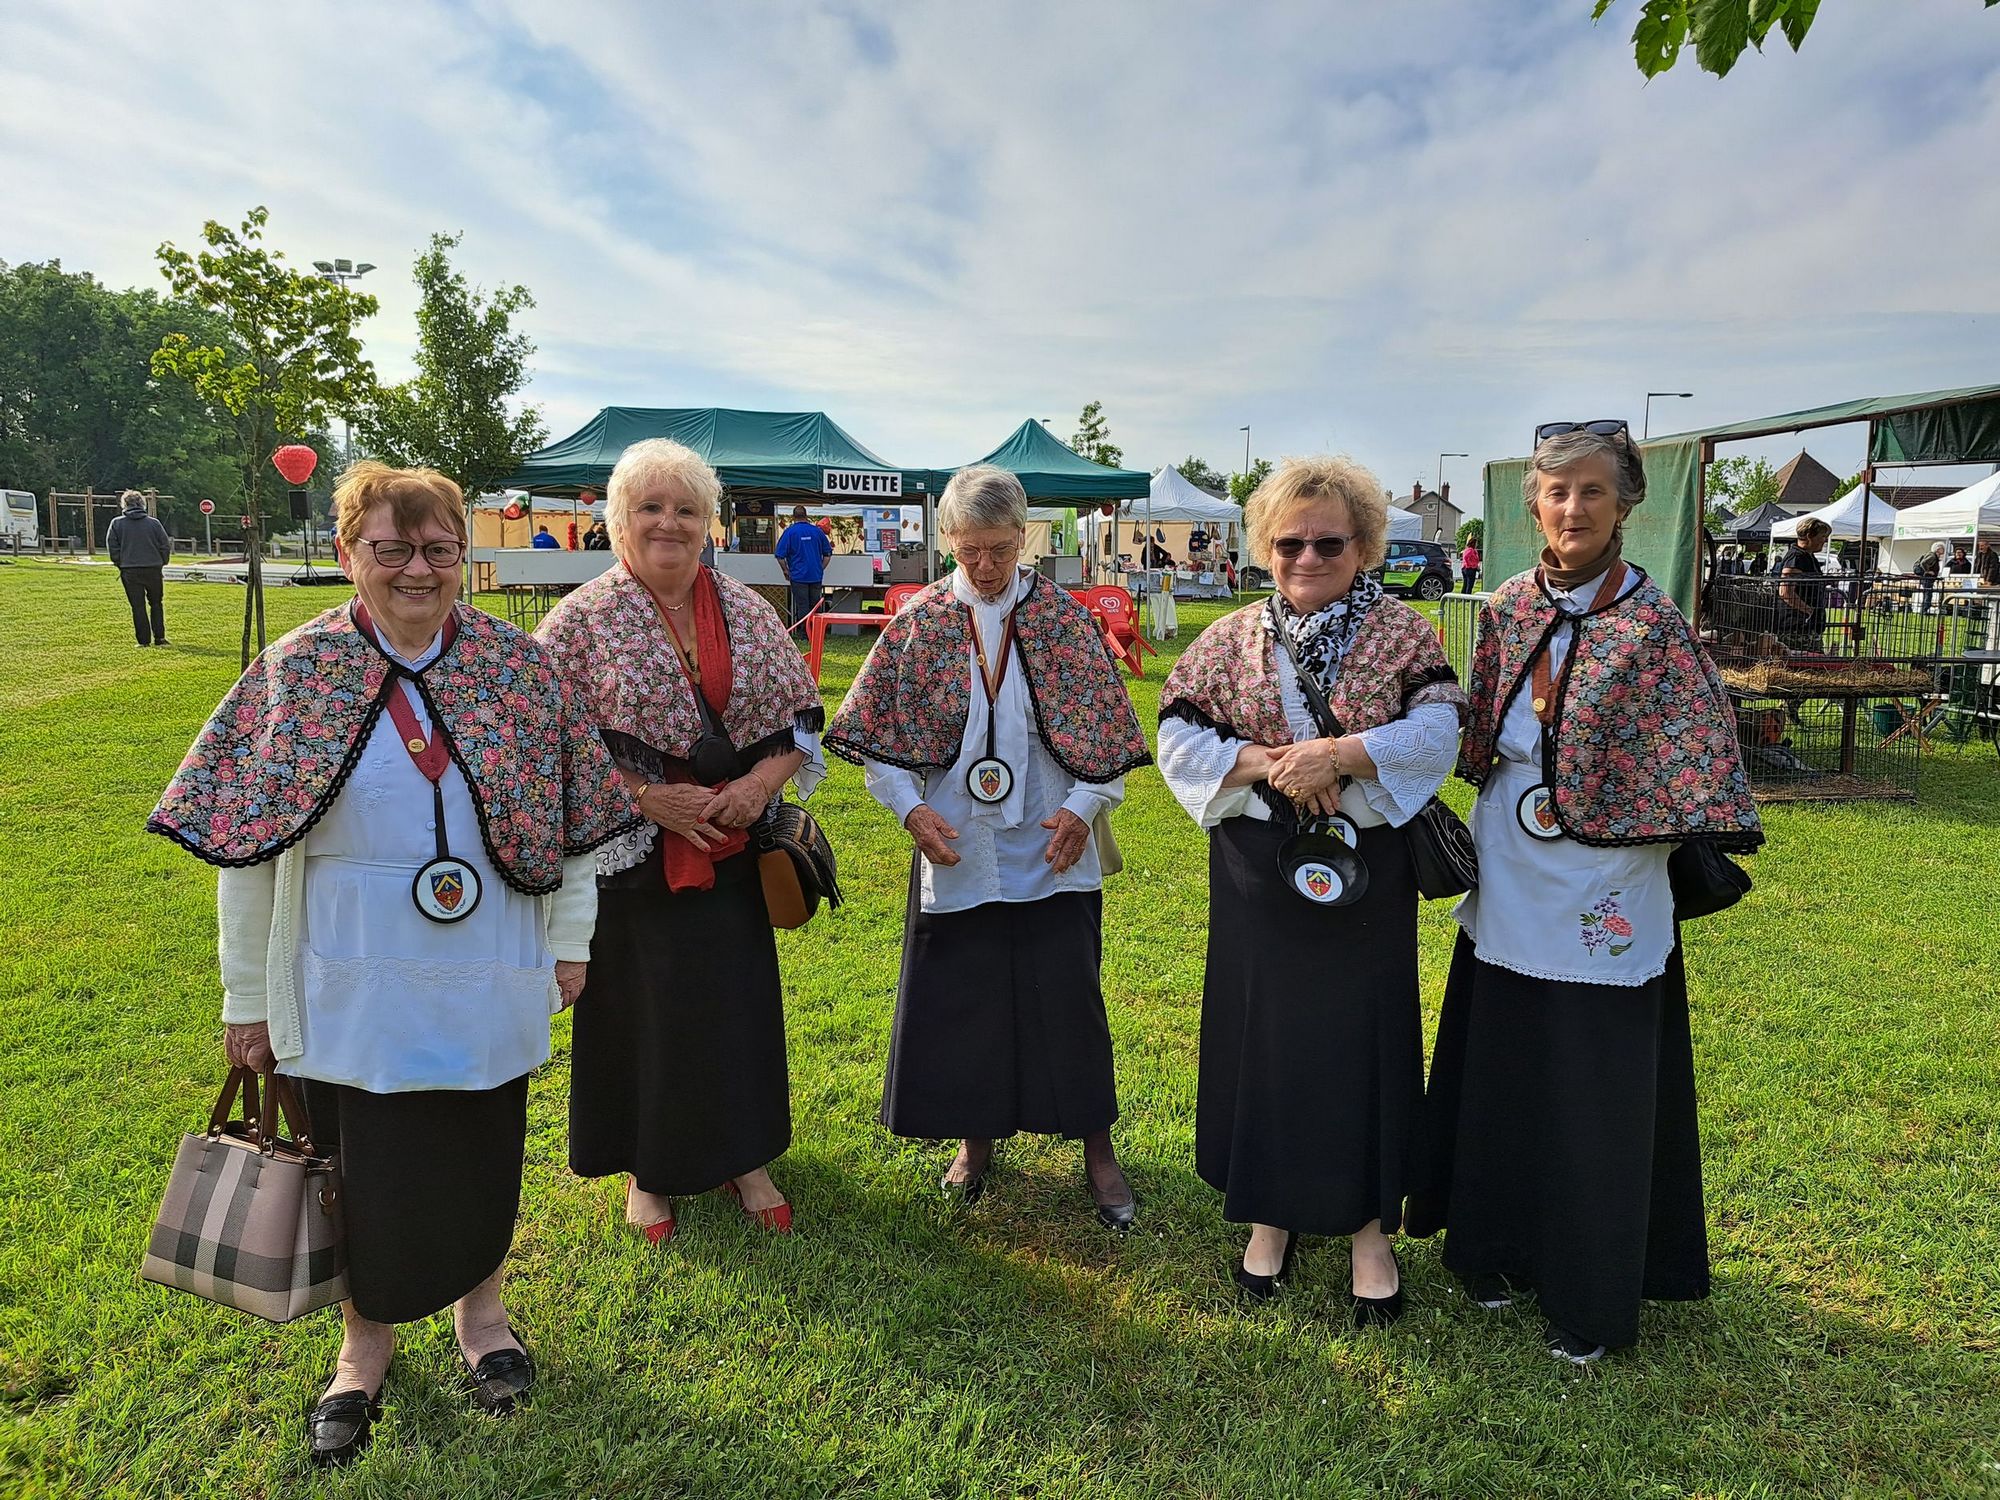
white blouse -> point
(1557, 909)
(392, 1000)
(1413, 755)
(1000, 847)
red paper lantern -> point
(513, 512)
(1109, 510)
(296, 462)
(586, 498)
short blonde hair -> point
(413, 496)
(651, 462)
(1300, 482)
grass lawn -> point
(1847, 1035)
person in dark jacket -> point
(140, 550)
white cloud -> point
(1397, 229)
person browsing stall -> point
(802, 551)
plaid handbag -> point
(251, 1219)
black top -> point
(1989, 565)
(1802, 569)
(1959, 563)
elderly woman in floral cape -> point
(404, 800)
(1563, 1151)
(993, 726)
(1311, 1037)
(678, 1076)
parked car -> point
(1417, 570)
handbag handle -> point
(240, 1079)
(281, 1097)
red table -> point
(816, 625)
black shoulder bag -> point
(1442, 857)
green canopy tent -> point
(763, 457)
(1663, 535)
(1056, 477)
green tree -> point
(453, 416)
(289, 364)
(1472, 533)
(1093, 438)
(1741, 483)
(80, 407)
(1243, 486)
(1722, 30)
(1197, 473)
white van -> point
(19, 518)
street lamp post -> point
(1246, 452)
(340, 273)
(1439, 486)
(1646, 427)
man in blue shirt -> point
(802, 552)
(544, 540)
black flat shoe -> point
(339, 1426)
(1379, 1312)
(1573, 1347)
(1257, 1288)
(1118, 1216)
(1490, 1290)
(501, 1380)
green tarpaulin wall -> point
(1660, 536)
(1053, 474)
(765, 450)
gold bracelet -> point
(640, 795)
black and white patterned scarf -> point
(1322, 639)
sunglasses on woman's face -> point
(1292, 547)
(1603, 427)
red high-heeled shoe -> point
(777, 1219)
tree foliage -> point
(1243, 486)
(1473, 532)
(80, 408)
(286, 364)
(1093, 438)
(453, 416)
(1197, 473)
(1742, 483)
(1721, 30)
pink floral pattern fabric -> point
(609, 643)
(276, 752)
(1228, 679)
(909, 703)
(1605, 926)
(1645, 747)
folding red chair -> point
(1115, 610)
(899, 594)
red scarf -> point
(686, 867)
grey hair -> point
(1557, 453)
(649, 463)
(982, 497)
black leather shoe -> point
(339, 1426)
(1573, 1347)
(501, 1380)
(965, 1193)
(1257, 1288)
(1116, 1216)
(1490, 1290)
(1380, 1312)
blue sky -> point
(1388, 229)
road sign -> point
(208, 507)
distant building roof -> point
(1903, 496)
(1805, 483)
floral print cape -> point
(608, 640)
(1228, 679)
(1644, 742)
(279, 748)
(909, 704)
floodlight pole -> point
(1646, 427)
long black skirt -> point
(1312, 1067)
(677, 1059)
(431, 1184)
(1000, 1022)
(1561, 1145)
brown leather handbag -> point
(795, 864)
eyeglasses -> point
(978, 555)
(1292, 547)
(1602, 427)
(396, 553)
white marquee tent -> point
(1974, 509)
(1844, 516)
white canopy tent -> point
(1844, 516)
(1974, 509)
